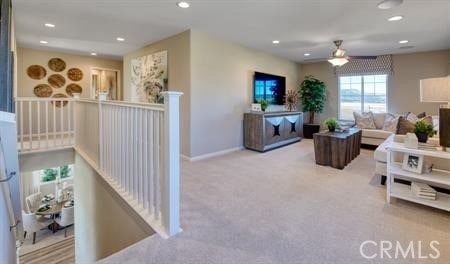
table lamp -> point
(437, 90)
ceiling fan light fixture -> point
(388, 4)
(338, 61)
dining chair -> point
(33, 201)
(67, 218)
(32, 224)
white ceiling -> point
(302, 26)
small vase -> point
(422, 137)
(331, 129)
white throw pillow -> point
(378, 119)
(364, 120)
(391, 123)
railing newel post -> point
(170, 191)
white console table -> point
(438, 177)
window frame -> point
(71, 166)
(362, 92)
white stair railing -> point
(10, 205)
(135, 147)
(44, 123)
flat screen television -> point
(269, 87)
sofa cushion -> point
(375, 133)
(378, 119)
(364, 120)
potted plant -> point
(264, 104)
(423, 130)
(313, 96)
(331, 123)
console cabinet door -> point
(291, 127)
(274, 129)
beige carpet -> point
(279, 207)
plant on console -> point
(264, 104)
(423, 130)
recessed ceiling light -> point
(93, 54)
(49, 25)
(183, 4)
(395, 18)
(43, 42)
(120, 39)
(403, 41)
(276, 42)
(306, 54)
(388, 4)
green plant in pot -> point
(423, 130)
(313, 96)
(331, 123)
(264, 104)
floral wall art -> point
(149, 77)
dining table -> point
(53, 209)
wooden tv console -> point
(265, 131)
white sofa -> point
(376, 137)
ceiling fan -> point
(338, 57)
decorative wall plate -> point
(58, 103)
(73, 88)
(75, 74)
(57, 64)
(36, 72)
(56, 80)
(43, 90)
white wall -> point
(178, 66)
(104, 223)
(222, 89)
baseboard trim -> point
(211, 155)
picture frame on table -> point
(413, 163)
(256, 108)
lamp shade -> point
(435, 90)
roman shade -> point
(380, 65)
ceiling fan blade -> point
(362, 57)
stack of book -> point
(423, 191)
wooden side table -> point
(337, 149)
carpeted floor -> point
(279, 207)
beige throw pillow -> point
(405, 126)
(391, 123)
(378, 119)
(364, 120)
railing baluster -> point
(54, 122)
(39, 124)
(69, 138)
(152, 166)
(21, 125)
(157, 172)
(30, 125)
(61, 119)
(46, 124)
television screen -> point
(269, 87)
